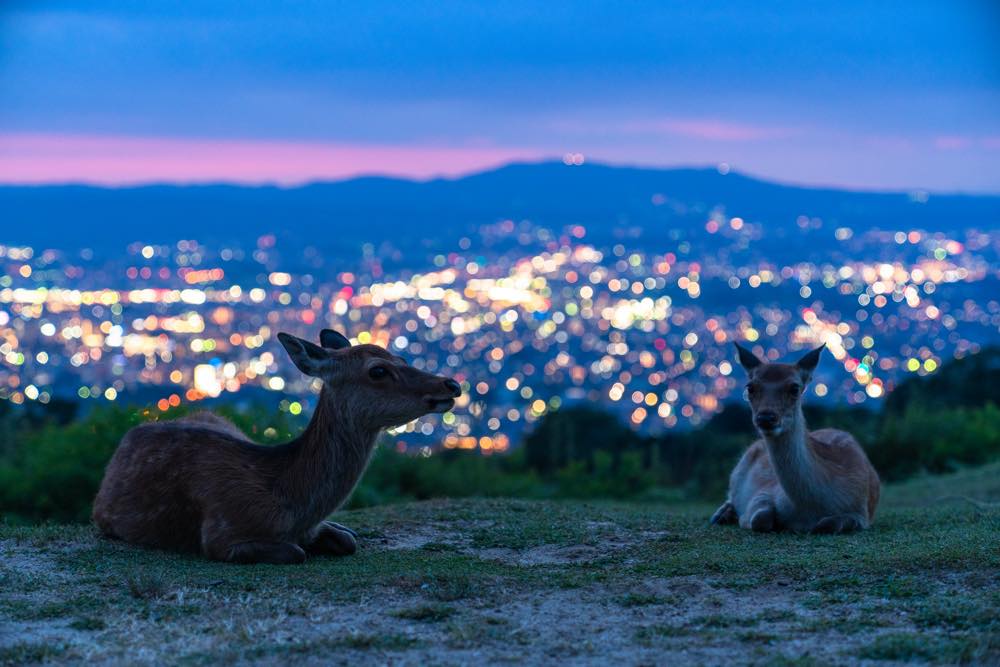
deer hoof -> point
(337, 526)
(333, 539)
(836, 525)
(274, 553)
(725, 515)
(762, 520)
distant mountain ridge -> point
(69, 216)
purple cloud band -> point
(116, 160)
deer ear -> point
(748, 360)
(333, 340)
(308, 357)
(808, 363)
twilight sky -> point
(903, 95)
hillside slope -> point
(600, 196)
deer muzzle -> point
(450, 390)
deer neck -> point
(794, 463)
(327, 460)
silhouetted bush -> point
(395, 477)
(970, 382)
(576, 435)
(605, 476)
(922, 439)
(53, 472)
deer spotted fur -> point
(198, 484)
(796, 479)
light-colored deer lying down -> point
(197, 484)
(795, 479)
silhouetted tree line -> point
(52, 461)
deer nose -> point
(767, 420)
(453, 387)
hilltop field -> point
(460, 581)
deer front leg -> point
(219, 543)
(725, 515)
(332, 539)
(837, 524)
(761, 515)
(275, 553)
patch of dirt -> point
(412, 537)
(418, 535)
(547, 554)
(47, 584)
(589, 627)
(31, 562)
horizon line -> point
(26, 160)
(454, 177)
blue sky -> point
(898, 95)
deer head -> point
(377, 388)
(775, 390)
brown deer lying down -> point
(795, 479)
(198, 484)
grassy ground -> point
(488, 580)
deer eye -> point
(794, 389)
(753, 389)
(378, 373)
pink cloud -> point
(951, 143)
(116, 160)
(712, 130)
(693, 128)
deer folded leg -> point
(837, 524)
(763, 520)
(332, 539)
(342, 527)
(761, 515)
(275, 553)
(725, 515)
